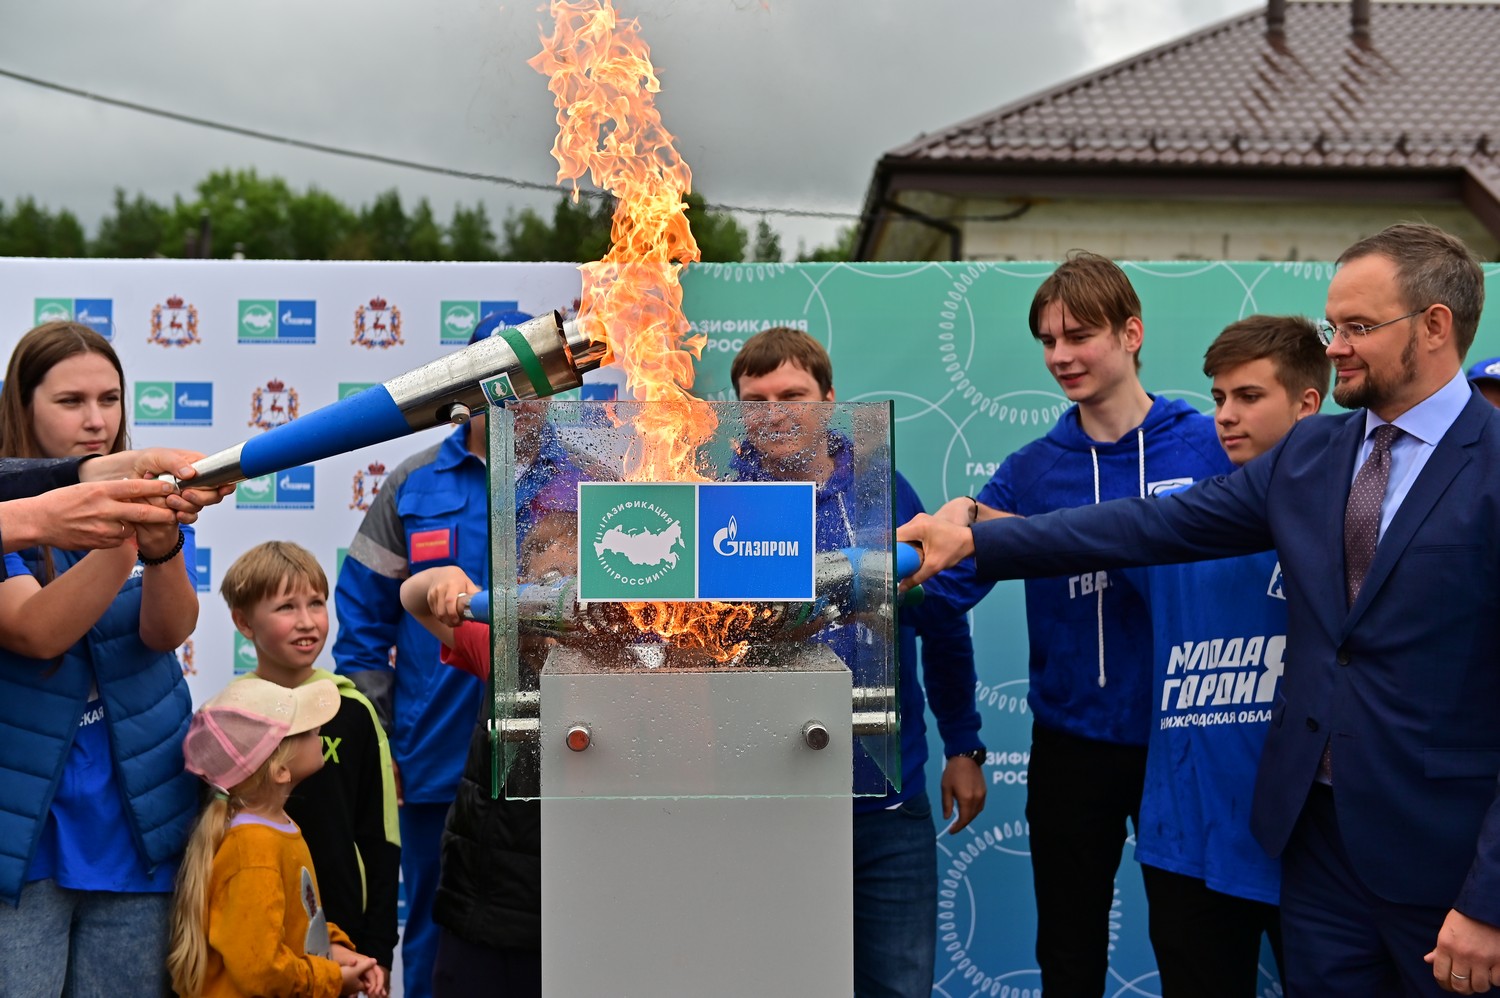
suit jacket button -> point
(1343, 657)
(1312, 725)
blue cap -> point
(1486, 370)
(496, 320)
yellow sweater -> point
(267, 934)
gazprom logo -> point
(726, 544)
(96, 313)
(174, 403)
(290, 489)
(268, 320)
(599, 391)
(763, 546)
(204, 581)
(457, 319)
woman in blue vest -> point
(94, 803)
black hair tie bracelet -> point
(181, 539)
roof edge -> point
(1042, 96)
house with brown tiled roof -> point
(1285, 134)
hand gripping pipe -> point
(536, 359)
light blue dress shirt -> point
(1423, 425)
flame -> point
(717, 629)
(604, 86)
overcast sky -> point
(776, 103)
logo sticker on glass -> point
(757, 541)
(704, 541)
(638, 541)
(498, 389)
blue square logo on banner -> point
(96, 313)
(755, 541)
(604, 391)
(297, 321)
(194, 403)
(294, 488)
(205, 564)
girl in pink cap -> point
(248, 920)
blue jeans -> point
(421, 850)
(84, 944)
(895, 901)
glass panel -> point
(506, 681)
(757, 543)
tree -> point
(240, 212)
(578, 232)
(767, 243)
(385, 225)
(424, 237)
(720, 238)
(841, 250)
(321, 227)
(581, 232)
(67, 235)
(138, 228)
(248, 214)
(469, 234)
(31, 230)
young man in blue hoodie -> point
(895, 854)
(1090, 662)
(1220, 642)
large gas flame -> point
(604, 85)
(602, 81)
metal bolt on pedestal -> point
(815, 734)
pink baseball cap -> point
(233, 734)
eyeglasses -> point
(1349, 330)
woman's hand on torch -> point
(150, 463)
(943, 545)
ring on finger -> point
(1458, 977)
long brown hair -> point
(187, 957)
(38, 352)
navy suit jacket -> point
(21, 477)
(1406, 683)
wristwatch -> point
(978, 755)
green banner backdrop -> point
(949, 343)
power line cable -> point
(370, 157)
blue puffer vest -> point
(147, 707)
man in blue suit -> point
(1377, 786)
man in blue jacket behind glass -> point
(895, 853)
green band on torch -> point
(529, 362)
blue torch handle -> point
(479, 607)
(369, 417)
(908, 559)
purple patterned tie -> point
(1362, 514)
(1361, 533)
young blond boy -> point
(278, 598)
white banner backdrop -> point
(218, 351)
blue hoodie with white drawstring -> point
(1090, 663)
